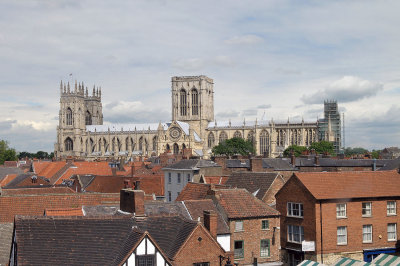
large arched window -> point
(237, 134)
(88, 118)
(211, 140)
(183, 102)
(264, 142)
(141, 144)
(222, 136)
(69, 119)
(195, 102)
(176, 148)
(69, 144)
(167, 148)
(250, 137)
(155, 143)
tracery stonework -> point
(81, 132)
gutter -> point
(320, 219)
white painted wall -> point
(224, 241)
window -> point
(169, 178)
(342, 235)
(183, 102)
(366, 208)
(195, 102)
(295, 209)
(211, 140)
(264, 142)
(264, 224)
(69, 117)
(145, 260)
(69, 145)
(392, 232)
(264, 248)
(341, 210)
(391, 208)
(295, 233)
(201, 264)
(179, 178)
(367, 233)
(239, 249)
(238, 226)
(222, 137)
(188, 177)
(169, 196)
(237, 134)
(88, 118)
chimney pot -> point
(210, 222)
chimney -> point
(132, 201)
(293, 159)
(255, 164)
(374, 165)
(210, 222)
(316, 159)
(127, 183)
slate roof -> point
(170, 233)
(236, 163)
(278, 164)
(195, 191)
(347, 185)
(256, 183)
(6, 231)
(160, 208)
(99, 210)
(9, 170)
(391, 165)
(82, 241)
(239, 203)
(191, 164)
(330, 162)
(196, 208)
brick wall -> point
(269, 197)
(252, 235)
(196, 250)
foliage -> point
(354, 151)
(297, 150)
(234, 146)
(37, 155)
(6, 153)
(375, 154)
(322, 147)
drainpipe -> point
(320, 220)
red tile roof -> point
(239, 203)
(7, 179)
(219, 180)
(36, 191)
(36, 204)
(339, 185)
(196, 191)
(64, 212)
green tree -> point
(6, 153)
(375, 154)
(322, 147)
(234, 146)
(42, 155)
(297, 150)
(353, 151)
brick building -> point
(352, 214)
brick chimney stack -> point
(316, 159)
(210, 222)
(293, 159)
(132, 201)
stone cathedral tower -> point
(77, 109)
(193, 101)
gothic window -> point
(176, 148)
(264, 142)
(183, 147)
(69, 145)
(195, 102)
(141, 144)
(250, 137)
(155, 143)
(211, 140)
(183, 102)
(167, 148)
(222, 137)
(88, 118)
(81, 144)
(69, 117)
(237, 134)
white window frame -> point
(367, 230)
(340, 210)
(292, 207)
(341, 232)
(292, 231)
(391, 210)
(239, 226)
(392, 232)
(366, 206)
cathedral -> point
(81, 133)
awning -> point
(310, 263)
(386, 260)
(348, 262)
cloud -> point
(227, 114)
(244, 39)
(264, 106)
(249, 112)
(346, 89)
(189, 64)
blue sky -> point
(270, 59)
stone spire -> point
(76, 87)
(69, 90)
(94, 90)
(61, 87)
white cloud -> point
(244, 39)
(346, 89)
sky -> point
(269, 60)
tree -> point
(297, 150)
(6, 153)
(234, 146)
(42, 155)
(322, 147)
(353, 151)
